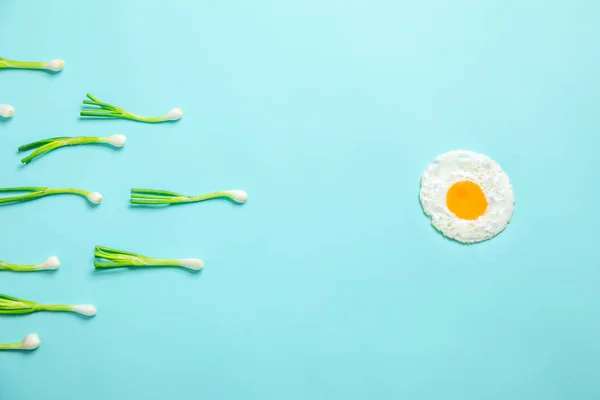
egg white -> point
(462, 165)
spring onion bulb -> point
(47, 145)
(106, 110)
(121, 259)
(6, 110)
(52, 65)
(37, 192)
(13, 306)
(31, 342)
(50, 264)
(162, 197)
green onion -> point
(47, 145)
(106, 110)
(38, 192)
(162, 197)
(6, 110)
(13, 306)
(52, 65)
(121, 259)
(31, 342)
(51, 263)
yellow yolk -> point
(466, 200)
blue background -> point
(330, 283)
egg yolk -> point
(466, 200)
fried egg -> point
(467, 195)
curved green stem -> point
(140, 118)
(79, 192)
(210, 196)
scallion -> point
(31, 342)
(13, 306)
(38, 192)
(106, 110)
(163, 197)
(52, 65)
(50, 264)
(47, 145)
(122, 259)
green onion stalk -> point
(47, 145)
(105, 110)
(38, 192)
(52, 65)
(31, 342)
(51, 263)
(151, 197)
(124, 259)
(14, 306)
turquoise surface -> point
(330, 283)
